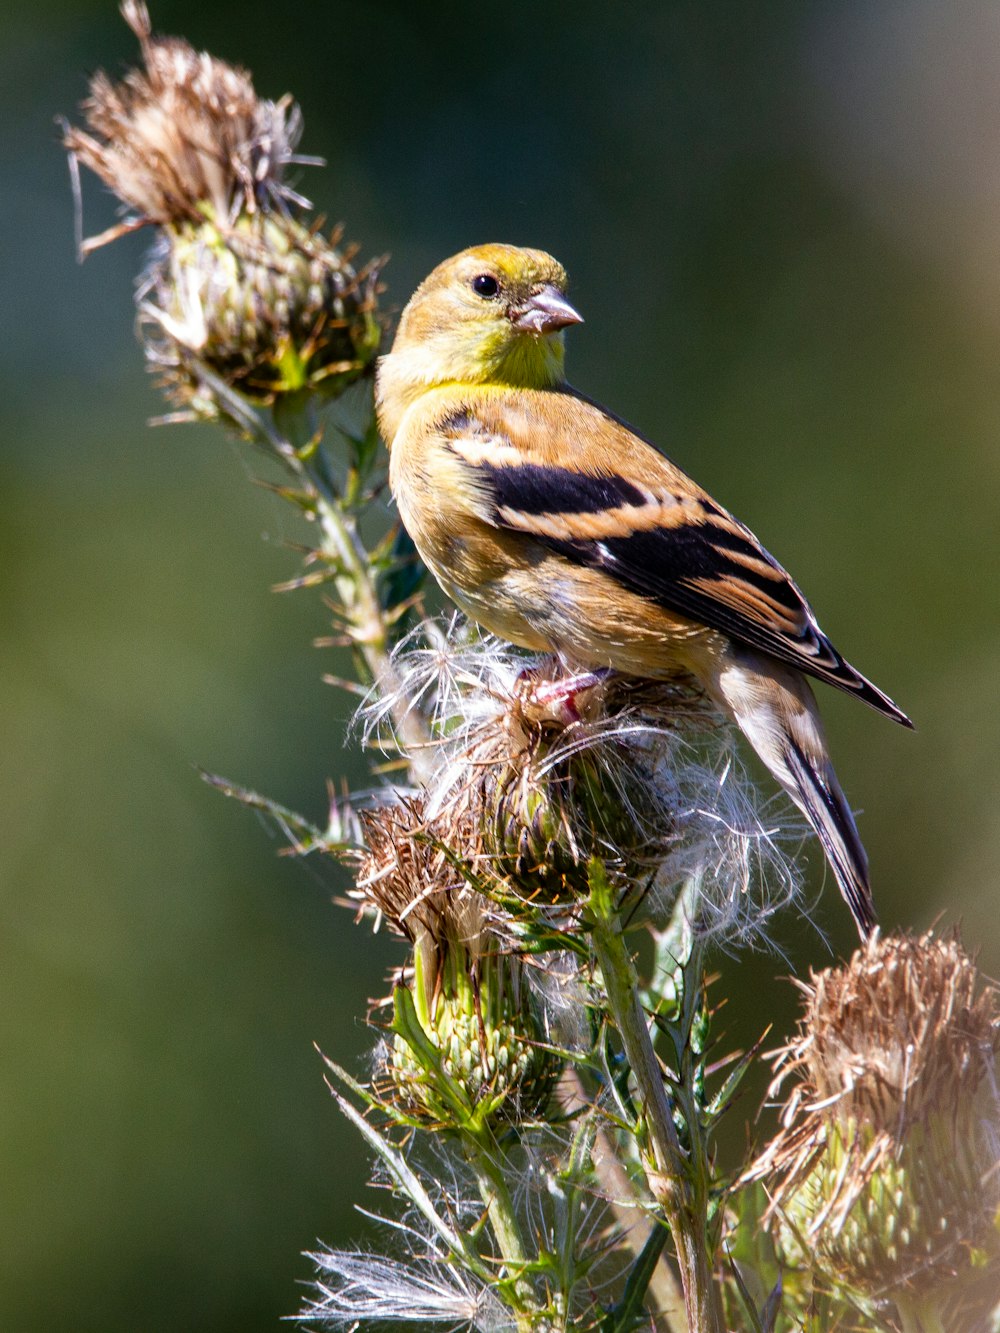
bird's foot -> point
(559, 701)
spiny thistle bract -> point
(237, 285)
(885, 1174)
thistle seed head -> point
(554, 790)
(187, 135)
(268, 305)
(886, 1169)
(239, 287)
(553, 771)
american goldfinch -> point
(555, 525)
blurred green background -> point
(781, 223)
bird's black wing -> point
(664, 540)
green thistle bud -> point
(885, 1176)
(485, 1047)
(468, 1036)
(238, 285)
(268, 305)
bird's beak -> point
(546, 311)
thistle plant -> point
(237, 282)
(884, 1177)
(542, 1108)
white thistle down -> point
(354, 1286)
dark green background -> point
(781, 223)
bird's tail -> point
(775, 709)
(821, 798)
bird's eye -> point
(486, 286)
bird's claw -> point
(562, 700)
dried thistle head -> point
(473, 1025)
(885, 1174)
(556, 770)
(238, 284)
(187, 135)
(411, 872)
(563, 776)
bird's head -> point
(493, 314)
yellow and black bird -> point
(553, 524)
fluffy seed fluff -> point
(562, 1209)
(355, 1287)
(552, 772)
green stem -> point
(289, 437)
(481, 1151)
(298, 429)
(664, 1296)
(369, 630)
(620, 983)
(684, 1204)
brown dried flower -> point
(412, 873)
(885, 1174)
(186, 134)
(553, 771)
(563, 770)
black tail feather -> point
(826, 807)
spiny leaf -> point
(720, 1102)
(405, 1180)
(405, 575)
(302, 499)
(364, 447)
(304, 836)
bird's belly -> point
(548, 605)
(497, 615)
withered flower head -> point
(238, 283)
(555, 770)
(550, 795)
(885, 1173)
(186, 135)
(480, 1031)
